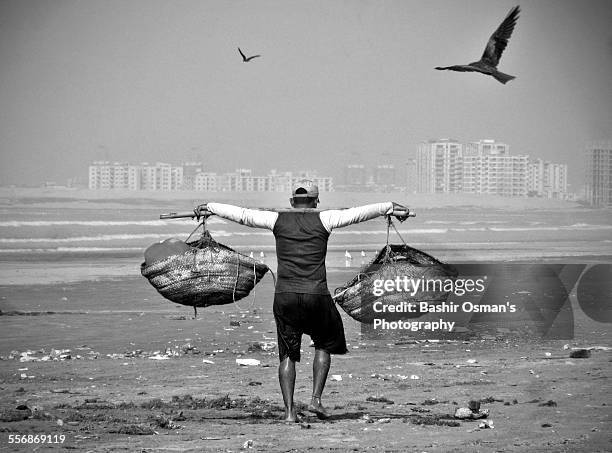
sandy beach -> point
(91, 352)
(142, 374)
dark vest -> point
(301, 246)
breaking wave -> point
(101, 237)
(576, 226)
(103, 223)
(73, 250)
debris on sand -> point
(590, 348)
(165, 422)
(419, 409)
(490, 399)
(549, 403)
(15, 415)
(188, 348)
(262, 346)
(336, 377)
(177, 317)
(379, 399)
(140, 430)
(432, 419)
(248, 362)
(486, 424)
(465, 413)
(580, 354)
(390, 377)
(248, 444)
(31, 356)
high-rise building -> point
(488, 168)
(547, 179)
(481, 167)
(161, 176)
(206, 182)
(148, 180)
(134, 177)
(107, 175)
(439, 166)
(190, 170)
(120, 175)
(598, 173)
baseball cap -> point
(305, 189)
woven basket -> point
(209, 273)
(357, 297)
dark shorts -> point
(313, 314)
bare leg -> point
(286, 378)
(320, 368)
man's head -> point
(305, 194)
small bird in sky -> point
(493, 51)
(246, 59)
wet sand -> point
(138, 378)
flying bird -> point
(493, 51)
(246, 59)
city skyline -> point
(577, 175)
(340, 172)
(336, 82)
(441, 166)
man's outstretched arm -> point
(343, 217)
(244, 216)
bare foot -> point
(291, 416)
(316, 407)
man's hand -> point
(400, 212)
(202, 210)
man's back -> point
(301, 247)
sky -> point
(337, 82)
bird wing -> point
(243, 55)
(460, 68)
(252, 56)
(499, 39)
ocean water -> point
(64, 232)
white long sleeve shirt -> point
(331, 219)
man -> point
(302, 302)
